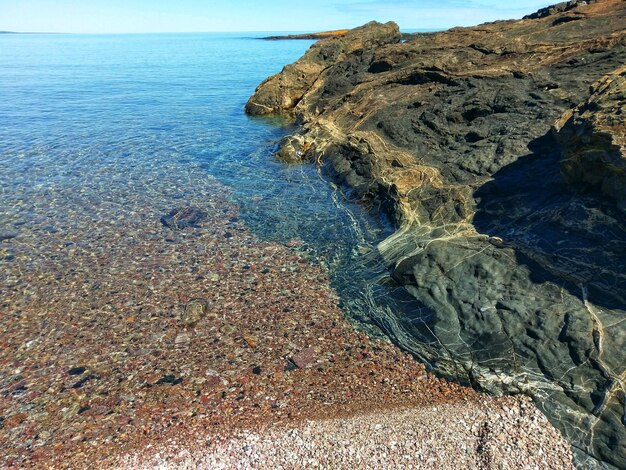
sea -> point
(98, 130)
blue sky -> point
(137, 16)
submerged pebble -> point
(7, 235)
(195, 310)
(184, 217)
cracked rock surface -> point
(498, 153)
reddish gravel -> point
(120, 341)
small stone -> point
(194, 312)
(227, 329)
(250, 340)
(76, 370)
(304, 358)
(213, 381)
(256, 370)
(184, 217)
(182, 339)
(169, 379)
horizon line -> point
(203, 32)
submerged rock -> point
(194, 311)
(169, 379)
(76, 370)
(7, 235)
(292, 149)
(184, 217)
(516, 275)
(304, 358)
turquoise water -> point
(95, 129)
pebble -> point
(304, 358)
(184, 217)
(194, 312)
(182, 339)
(250, 340)
(7, 235)
(227, 329)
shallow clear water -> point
(98, 129)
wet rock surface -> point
(461, 137)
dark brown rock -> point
(516, 274)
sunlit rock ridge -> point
(498, 151)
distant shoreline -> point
(320, 35)
(336, 34)
(28, 32)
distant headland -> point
(321, 35)
(341, 32)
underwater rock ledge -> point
(498, 151)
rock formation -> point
(593, 136)
(498, 152)
(282, 92)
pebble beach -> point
(144, 345)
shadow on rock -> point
(565, 234)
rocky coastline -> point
(498, 153)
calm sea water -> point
(92, 127)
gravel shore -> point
(514, 435)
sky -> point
(142, 16)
